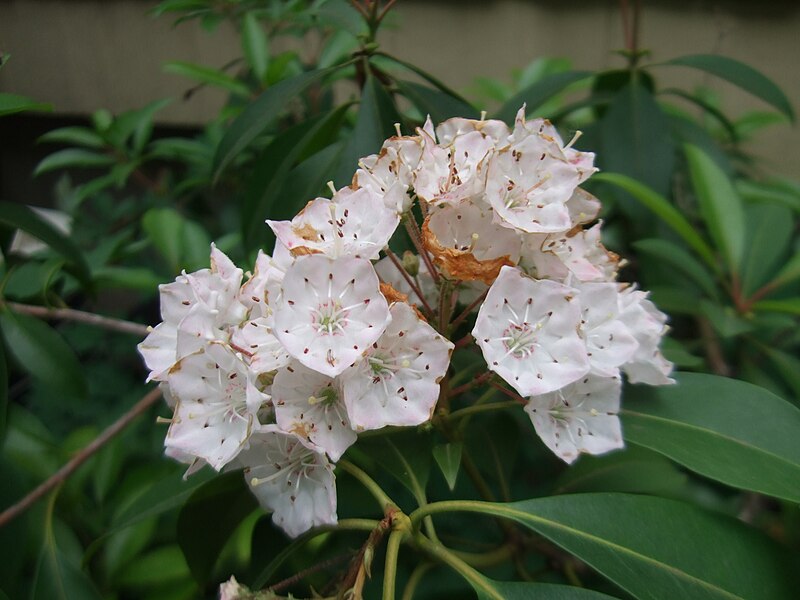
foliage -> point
(702, 503)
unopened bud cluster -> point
(277, 374)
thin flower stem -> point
(509, 393)
(81, 457)
(369, 483)
(478, 380)
(466, 312)
(409, 280)
(416, 238)
(300, 575)
(475, 409)
(70, 314)
(464, 341)
(390, 565)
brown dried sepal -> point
(392, 295)
(462, 265)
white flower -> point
(466, 244)
(449, 130)
(196, 308)
(609, 342)
(256, 340)
(397, 382)
(527, 330)
(217, 404)
(310, 405)
(353, 223)
(330, 312)
(292, 478)
(579, 418)
(648, 325)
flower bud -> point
(411, 263)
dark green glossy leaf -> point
(538, 93)
(634, 469)
(769, 234)
(437, 83)
(787, 365)
(142, 126)
(43, 354)
(406, 456)
(155, 569)
(74, 158)
(183, 243)
(448, 457)
(433, 102)
(636, 140)
(488, 589)
(255, 45)
(377, 115)
(664, 210)
(740, 75)
(698, 100)
(260, 113)
(725, 320)
(677, 258)
(656, 548)
(75, 136)
(720, 205)
(57, 578)
(265, 198)
(228, 498)
(208, 76)
(13, 103)
(728, 430)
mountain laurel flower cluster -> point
(278, 373)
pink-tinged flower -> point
(217, 404)
(648, 325)
(310, 405)
(290, 477)
(528, 332)
(397, 381)
(453, 172)
(353, 223)
(196, 308)
(390, 173)
(330, 312)
(495, 130)
(609, 342)
(579, 418)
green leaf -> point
(787, 365)
(789, 305)
(142, 124)
(433, 102)
(377, 115)
(757, 191)
(438, 84)
(153, 570)
(538, 93)
(636, 140)
(715, 112)
(728, 430)
(43, 354)
(265, 197)
(260, 113)
(255, 45)
(57, 578)
(664, 210)
(740, 75)
(448, 457)
(769, 234)
(208, 76)
(720, 205)
(488, 589)
(653, 547)
(73, 158)
(634, 469)
(725, 320)
(76, 136)
(3, 390)
(12, 103)
(184, 243)
(406, 456)
(228, 498)
(677, 258)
